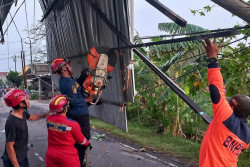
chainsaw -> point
(101, 61)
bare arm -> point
(34, 117)
(12, 153)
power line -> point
(18, 51)
(27, 18)
(34, 14)
(13, 17)
(16, 28)
(192, 71)
(205, 52)
(193, 33)
(8, 44)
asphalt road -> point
(107, 151)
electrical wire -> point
(205, 52)
(8, 44)
(13, 17)
(16, 28)
(193, 33)
(190, 72)
(26, 18)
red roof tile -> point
(3, 73)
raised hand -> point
(211, 48)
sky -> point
(12, 45)
(146, 19)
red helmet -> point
(57, 64)
(14, 97)
(58, 103)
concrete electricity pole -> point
(23, 67)
(14, 59)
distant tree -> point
(14, 78)
(37, 38)
(1, 82)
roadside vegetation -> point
(158, 118)
(174, 146)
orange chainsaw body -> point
(99, 63)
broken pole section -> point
(167, 12)
(166, 79)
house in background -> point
(41, 80)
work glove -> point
(84, 71)
(90, 146)
(89, 99)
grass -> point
(177, 147)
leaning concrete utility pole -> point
(236, 7)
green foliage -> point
(235, 70)
(156, 104)
(174, 28)
(1, 82)
(244, 159)
(34, 96)
(21, 87)
(202, 11)
(207, 8)
(14, 78)
(177, 147)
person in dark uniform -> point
(16, 129)
(228, 133)
(72, 88)
(63, 133)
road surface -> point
(107, 151)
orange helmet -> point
(14, 97)
(57, 64)
(58, 103)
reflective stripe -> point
(58, 128)
(85, 140)
(69, 128)
(57, 100)
(55, 60)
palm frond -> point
(167, 65)
(174, 28)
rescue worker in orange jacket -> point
(63, 133)
(228, 133)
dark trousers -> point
(83, 121)
(7, 163)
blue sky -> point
(146, 19)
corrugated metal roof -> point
(72, 28)
(5, 6)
